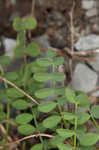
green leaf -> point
(62, 100)
(14, 93)
(5, 60)
(82, 128)
(12, 76)
(2, 116)
(50, 53)
(58, 77)
(82, 117)
(59, 90)
(42, 77)
(66, 133)
(44, 62)
(21, 37)
(51, 121)
(47, 107)
(19, 51)
(56, 140)
(30, 23)
(44, 93)
(3, 96)
(20, 104)
(58, 60)
(35, 68)
(64, 147)
(26, 129)
(26, 75)
(89, 139)
(87, 148)
(37, 147)
(24, 118)
(95, 111)
(41, 128)
(32, 49)
(83, 101)
(18, 24)
(68, 116)
(70, 95)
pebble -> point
(88, 42)
(88, 4)
(84, 79)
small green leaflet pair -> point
(25, 127)
(19, 25)
(29, 23)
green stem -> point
(75, 127)
(1, 70)
(41, 139)
(8, 117)
(8, 106)
(96, 124)
(59, 106)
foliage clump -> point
(26, 92)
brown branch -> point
(81, 53)
(69, 52)
(72, 38)
(20, 90)
(33, 8)
(4, 132)
(25, 138)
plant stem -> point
(41, 139)
(8, 117)
(8, 106)
(96, 124)
(59, 106)
(75, 127)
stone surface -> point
(9, 45)
(92, 12)
(88, 4)
(84, 79)
(88, 42)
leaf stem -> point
(75, 127)
(40, 137)
(96, 124)
(59, 106)
(8, 118)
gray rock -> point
(9, 45)
(92, 12)
(84, 79)
(42, 41)
(88, 42)
(88, 4)
(56, 17)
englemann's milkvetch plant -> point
(41, 116)
(65, 125)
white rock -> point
(86, 4)
(9, 45)
(84, 79)
(88, 42)
(92, 12)
(13, 2)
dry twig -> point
(25, 138)
(20, 90)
